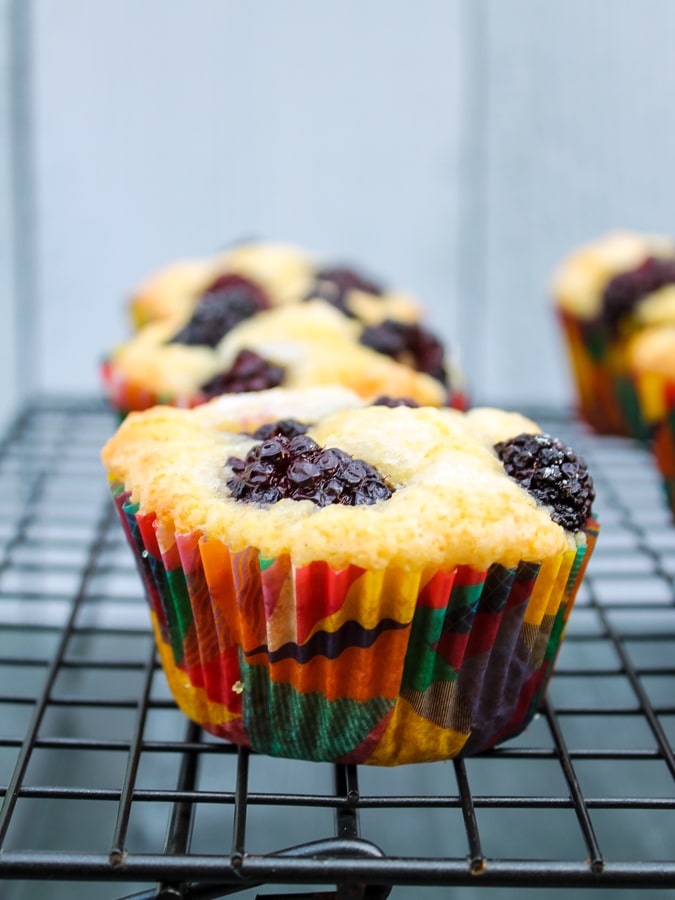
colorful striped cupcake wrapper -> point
(125, 395)
(657, 398)
(606, 393)
(378, 667)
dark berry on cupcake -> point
(248, 372)
(408, 343)
(623, 292)
(288, 428)
(392, 402)
(553, 473)
(333, 285)
(297, 468)
(227, 302)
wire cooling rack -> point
(108, 791)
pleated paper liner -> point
(606, 395)
(657, 399)
(380, 667)
(124, 395)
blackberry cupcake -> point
(363, 583)
(605, 292)
(280, 273)
(240, 346)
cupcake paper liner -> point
(379, 667)
(125, 395)
(606, 394)
(657, 398)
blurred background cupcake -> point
(280, 273)
(264, 315)
(605, 292)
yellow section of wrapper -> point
(412, 739)
(549, 588)
(651, 391)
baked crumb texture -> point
(416, 629)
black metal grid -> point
(104, 781)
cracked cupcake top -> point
(441, 496)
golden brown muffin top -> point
(580, 280)
(313, 342)
(284, 271)
(452, 504)
(170, 290)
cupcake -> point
(335, 581)
(242, 346)
(605, 292)
(280, 273)
(651, 362)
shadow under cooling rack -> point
(103, 780)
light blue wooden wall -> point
(579, 138)
(457, 147)
(9, 387)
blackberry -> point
(230, 300)
(410, 344)
(391, 402)
(333, 285)
(553, 473)
(287, 428)
(249, 372)
(624, 291)
(297, 468)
